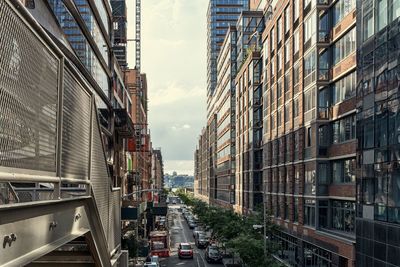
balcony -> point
(123, 123)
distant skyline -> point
(174, 58)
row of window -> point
(375, 19)
(345, 46)
(334, 215)
(380, 187)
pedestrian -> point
(148, 258)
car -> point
(185, 251)
(198, 229)
(192, 224)
(201, 240)
(212, 254)
(150, 264)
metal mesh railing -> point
(28, 96)
(29, 117)
(76, 129)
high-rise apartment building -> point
(309, 151)
(201, 178)
(378, 133)
(248, 112)
(220, 14)
(239, 40)
(222, 186)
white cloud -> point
(174, 93)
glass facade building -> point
(220, 15)
(378, 131)
(88, 41)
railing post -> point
(92, 113)
(57, 186)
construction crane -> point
(138, 34)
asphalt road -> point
(180, 233)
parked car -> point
(198, 229)
(213, 254)
(185, 251)
(192, 224)
(201, 240)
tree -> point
(236, 232)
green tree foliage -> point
(236, 232)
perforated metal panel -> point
(28, 96)
(114, 234)
(76, 129)
(100, 179)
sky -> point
(174, 35)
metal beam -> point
(32, 230)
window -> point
(343, 214)
(323, 206)
(310, 63)
(286, 215)
(323, 173)
(394, 9)
(279, 29)
(266, 52)
(272, 38)
(295, 209)
(296, 190)
(287, 110)
(287, 53)
(296, 108)
(279, 59)
(296, 145)
(296, 42)
(309, 100)
(296, 74)
(287, 20)
(344, 129)
(296, 7)
(272, 68)
(341, 9)
(277, 207)
(279, 90)
(309, 182)
(368, 22)
(324, 66)
(279, 117)
(287, 82)
(310, 27)
(273, 121)
(288, 182)
(382, 14)
(344, 47)
(272, 99)
(309, 138)
(309, 212)
(368, 133)
(344, 89)
(344, 171)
